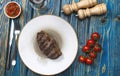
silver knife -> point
(10, 44)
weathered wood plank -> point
(95, 25)
(67, 18)
(4, 31)
(73, 21)
(82, 38)
(20, 69)
(25, 17)
(82, 31)
(104, 64)
(77, 68)
(15, 70)
(113, 34)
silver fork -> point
(17, 32)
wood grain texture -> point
(4, 30)
(107, 62)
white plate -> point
(64, 35)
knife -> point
(10, 44)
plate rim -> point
(76, 45)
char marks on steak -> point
(48, 45)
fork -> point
(16, 32)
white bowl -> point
(7, 14)
(64, 35)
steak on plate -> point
(48, 45)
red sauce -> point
(12, 9)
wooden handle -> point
(69, 8)
(97, 10)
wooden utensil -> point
(97, 10)
(69, 8)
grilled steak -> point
(48, 45)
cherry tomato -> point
(90, 43)
(86, 48)
(89, 61)
(97, 48)
(95, 36)
(81, 59)
(92, 54)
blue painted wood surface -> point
(108, 25)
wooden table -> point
(108, 25)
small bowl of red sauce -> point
(12, 9)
